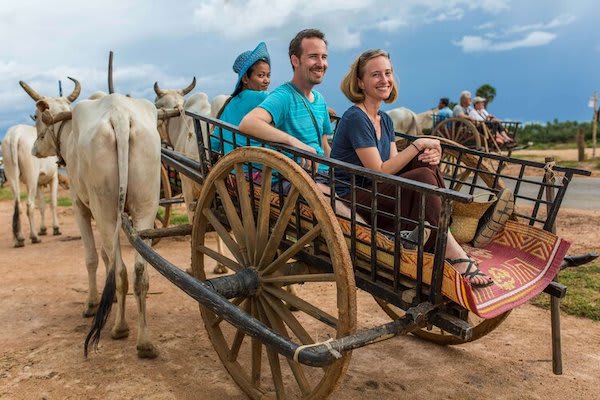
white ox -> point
(111, 148)
(179, 131)
(34, 173)
(406, 121)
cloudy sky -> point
(543, 57)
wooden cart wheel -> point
(459, 130)
(481, 327)
(164, 211)
(253, 243)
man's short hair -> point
(465, 93)
(445, 101)
(296, 43)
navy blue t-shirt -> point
(355, 130)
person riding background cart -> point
(479, 113)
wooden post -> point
(594, 124)
(580, 145)
(554, 301)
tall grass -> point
(583, 292)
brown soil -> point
(42, 332)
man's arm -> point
(258, 124)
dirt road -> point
(43, 287)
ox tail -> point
(122, 127)
(14, 160)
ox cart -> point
(280, 232)
(477, 135)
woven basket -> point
(465, 216)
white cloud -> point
(472, 44)
(554, 23)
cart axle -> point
(244, 283)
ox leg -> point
(121, 329)
(53, 204)
(31, 196)
(219, 268)
(83, 218)
(16, 222)
(145, 348)
(41, 205)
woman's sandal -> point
(470, 273)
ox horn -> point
(189, 88)
(32, 93)
(157, 90)
(111, 88)
(166, 113)
(50, 119)
(76, 90)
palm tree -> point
(486, 91)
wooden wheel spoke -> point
(256, 350)
(290, 320)
(226, 261)
(303, 306)
(224, 235)
(273, 358)
(246, 210)
(280, 226)
(234, 219)
(291, 279)
(238, 339)
(292, 250)
(264, 213)
(297, 368)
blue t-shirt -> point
(233, 113)
(355, 131)
(289, 113)
(444, 113)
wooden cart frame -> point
(286, 231)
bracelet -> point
(418, 150)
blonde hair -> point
(349, 84)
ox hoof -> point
(220, 269)
(20, 243)
(117, 334)
(43, 232)
(56, 231)
(147, 351)
(35, 240)
(90, 311)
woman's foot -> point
(499, 139)
(468, 269)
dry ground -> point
(42, 332)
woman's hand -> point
(430, 156)
(428, 143)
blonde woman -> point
(365, 137)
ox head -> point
(171, 98)
(47, 108)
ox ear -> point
(42, 105)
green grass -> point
(5, 193)
(64, 202)
(178, 219)
(583, 293)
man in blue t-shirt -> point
(298, 113)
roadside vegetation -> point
(583, 293)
